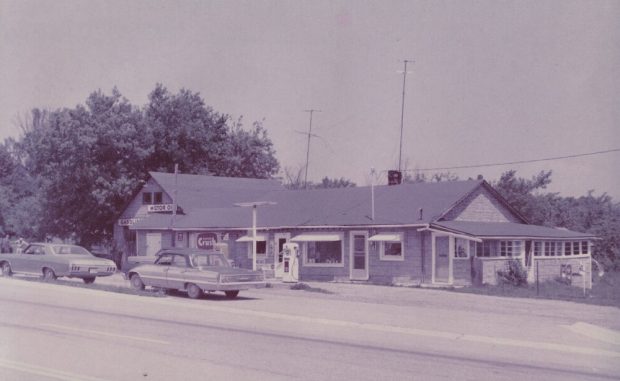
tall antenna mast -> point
(402, 115)
(311, 111)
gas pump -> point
(290, 262)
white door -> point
(153, 243)
(358, 255)
(442, 259)
(279, 240)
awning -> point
(316, 237)
(249, 238)
(386, 237)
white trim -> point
(393, 237)
(386, 238)
(305, 227)
(249, 238)
(443, 232)
(317, 237)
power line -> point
(516, 162)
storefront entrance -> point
(358, 243)
(279, 239)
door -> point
(153, 243)
(280, 239)
(176, 272)
(358, 242)
(442, 259)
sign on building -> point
(127, 221)
(160, 208)
(206, 241)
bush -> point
(514, 274)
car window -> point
(209, 260)
(165, 260)
(179, 261)
(34, 250)
(69, 249)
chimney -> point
(421, 214)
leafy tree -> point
(86, 162)
(598, 215)
(293, 179)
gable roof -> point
(508, 230)
(201, 191)
(394, 205)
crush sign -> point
(206, 241)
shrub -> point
(514, 274)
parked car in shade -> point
(194, 271)
(51, 260)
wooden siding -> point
(481, 206)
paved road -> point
(53, 332)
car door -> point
(176, 274)
(155, 274)
(30, 261)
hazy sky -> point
(493, 81)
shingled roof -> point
(394, 205)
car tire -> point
(194, 291)
(231, 294)
(6, 269)
(89, 280)
(49, 274)
(136, 282)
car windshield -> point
(205, 260)
(70, 249)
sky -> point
(490, 82)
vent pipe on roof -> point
(421, 214)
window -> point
(179, 261)
(158, 198)
(146, 198)
(483, 249)
(261, 247)
(510, 248)
(567, 248)
(323, 252)
(584, 247)
(461, 248)
(553, 248)
(538, 248)
(390, 246)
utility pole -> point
(311, 111)
(402, 115)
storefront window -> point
(146, 198)
(324, 252)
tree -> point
(293, 179)
(599, 216)
(82, 164)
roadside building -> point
(454, 233)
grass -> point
(605, 291)
(305, 287)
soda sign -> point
(206, 241)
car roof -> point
(185, 251)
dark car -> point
(194, 271)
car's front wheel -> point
(49, 274)
(136, 282)
(231, 294)
(89, 280)
(6, 269)
(194, 291)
